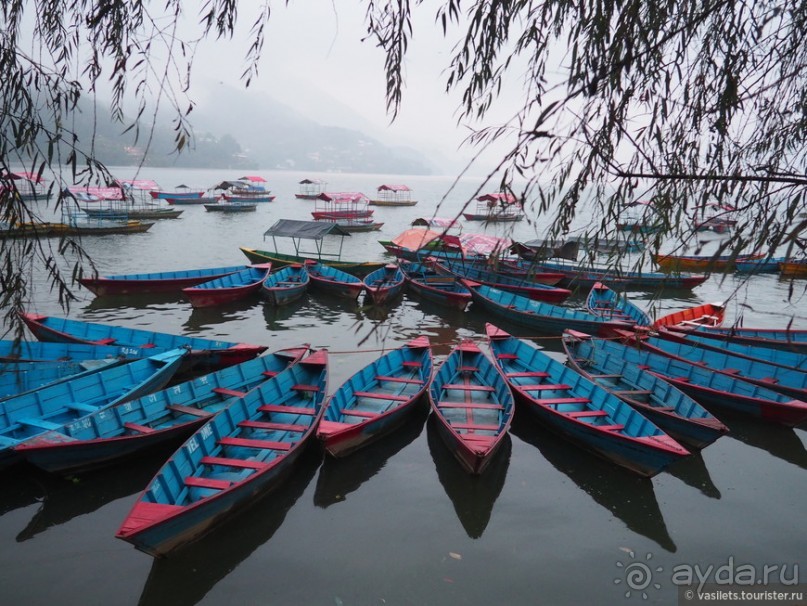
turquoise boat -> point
(377, 399)
(473, 406)
(609, 304)
(228, 289)
(427, 284)
(676, 413)
(231, 460)
(384, 284)
(43, 351)
(286, 285)
(579, 409)
(154, 282)
(19, 377)
(52, 407)
(120, 432)
(333, 281)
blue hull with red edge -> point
(205, 355)
(166, 416)
(431, 286)
(671, 409)
(384, 284)
(231, 460)
(713, 389)
(786, 339)
(609, 304)
(472, 405)
(286, 285)
(228, 289)
(544, 317)
(56, 405)
(155, 282)
(333, 281)
(587, 414)
(377, 399)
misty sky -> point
(314, 55)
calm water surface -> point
(400, 522)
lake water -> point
(400, 522)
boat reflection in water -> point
(473, 496)
(63, 499)
(784, 443)
(629, 497)
(202, 319)
(692, 471)
(340, 477)
(187, 576)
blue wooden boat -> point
(43, 351)
(545, 317)
(172, 414)
(607, 303)
(787, 381)
(775, 338)
(53, 406)
(334, 281)
(585, 276)
(427, 284)
(521, 285)
(228, 289)
(228, 206)
(154, 282)
(384, 284)
(205, 354)
(230, 460)
(779, 357)
(581, 410)
(675, 413)
(766, 265)
(285, 285)
(376, 399)
(473, 406)
(713, 389)
(19, 377)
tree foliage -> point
(683, 104)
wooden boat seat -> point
(586, 413)
(611, 427)
(259, 444)
(471, 405)
(207, 483)
(354, 412)
(771, 380)
(291, 410)
(269, 426)
(189, 410)
(556, 401)
(238, 463)
(464, 387)
(477, 438)
(507, 356)
(475, 426)
(81, 407)
(411, 364)
(147, 346)
(269, 373)
(556, 387)
(381, 396)
(526, 373)
(230, 393)
(467, 369)
(731, 371)
(40, 423)
(138, 428)
(108, 341)
(398, 380)
(311, 388)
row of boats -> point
(640, 395)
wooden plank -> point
(610, 427)
(237, 463)
(291, 410)
(207, 483)
(577, 414)
(477, 405)
(353, 412)
(138, 428)
(381, 396)
(475, 426)
(310, 388)
(464, 387)
(554, 401)
(260, 444)
(557, 387)
(189, 410)
(268, 425)
(526, 373)
(398, 380)
(230, 393)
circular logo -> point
(637, 575)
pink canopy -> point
(441, 222)
(253, 179)
(344, 197)
(143, 184)
(500, 198)
(482, 244)
(27, 176)
(393, 188)
(96, 194)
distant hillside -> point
(242, 131)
